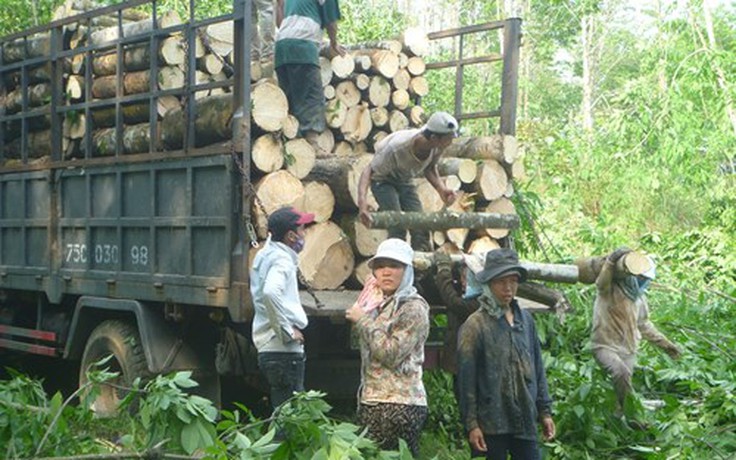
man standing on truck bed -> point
(400, 157)
(298, 40)
(279, 316)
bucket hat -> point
(394, 249)
(501, 262)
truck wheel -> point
(121, 340)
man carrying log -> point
(298, 39)
(620, 320)
(400, 157)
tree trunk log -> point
(347, 93)
(418, 86)
(35, 46)
(300, 157)
(318, 200)
(75, 87)
(132, 114)
(38, 95)
(365, 240)
(110, 34)
(329, 92)
(326, 142)
(267, 153)
(342, 66)
(269, 106)
(500, 148)
(325, 70)
(39, 145)
(379, 92)
(400, 100)
(385, 63)
(401, 80)
(491, 181)
(415, 42)
(342, 175)
(133, 83)
(335, 113)
(136, 139)
(500, 206)
(276, 189)
(397, 121)
(416, 116)
(416, 66)
(394, 46)
(442, 220)
(291, 127)
(463, 168)
(428, 196)
(327, 259)
(357, 125)
(212, 123)
(135, 58)
(362, 81)
(633, 263)
(379, 116)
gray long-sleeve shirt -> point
(503, 385)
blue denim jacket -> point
(502, 382)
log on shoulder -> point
(442, 220)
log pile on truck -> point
(374, 90)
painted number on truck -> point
(106, 253)
(139, 255)
(76, 253)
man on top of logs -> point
(298, 39)
(620, 319)
(400, 157)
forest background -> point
(628, 121)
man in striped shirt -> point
(298, 41)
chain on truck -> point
(144, 257)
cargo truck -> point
(140, 256)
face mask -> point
(298, 245)
(643, 283)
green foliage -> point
(368, 21)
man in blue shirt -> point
(298, 42)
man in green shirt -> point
(298, 41)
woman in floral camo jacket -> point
(392, 331)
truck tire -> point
(121, 340)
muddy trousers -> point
(620, 366)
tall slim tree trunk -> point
(712, 47)
(588, 42)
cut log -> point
(171, 77)
(75, 126)
(300, 156)
(518, 171)
(365, 240)
(401, 80)
(108, 35)
(326, 141)
(342, 174)
(347, 93)
(133, 114)
(400, 100)
(509, 190)
(267, 153)
(344, 149)
(35, 46)
(291, 127)
(357, 125)
(442, 220)
(416, 66)
(137, 57)
(394, 46)
(269, 106)
(335, 113)
(376, 137)
(415, 42)
(362, 272)
(452, 182)
(462, 204)
(276, 189)
(397, 121)
(633, 263)
(167, 104)
(463, 168)
(75, 87)
(171, 51)
(428, 196)
(491, 181)
(541, 293)
(418, 86)
(133, 83)
(212, 123)
(327, 259)
(385, 63)
(557, 273)
(482, 245)
(362, 81)
(39, 145)
(403, 61)
(136, 139)
(362, 63)
(342, 66)
(210, 63)
(379, 92)
(37, 95)
(38, 74)
(256, 71)
(500, 206)
(318, 200)
(439, 238)
(495, 147)
(379, 116)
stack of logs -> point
(371, 92)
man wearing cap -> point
(279, 316)
(392, 399)
(400, 157)
(620, 320)
(503, 385)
